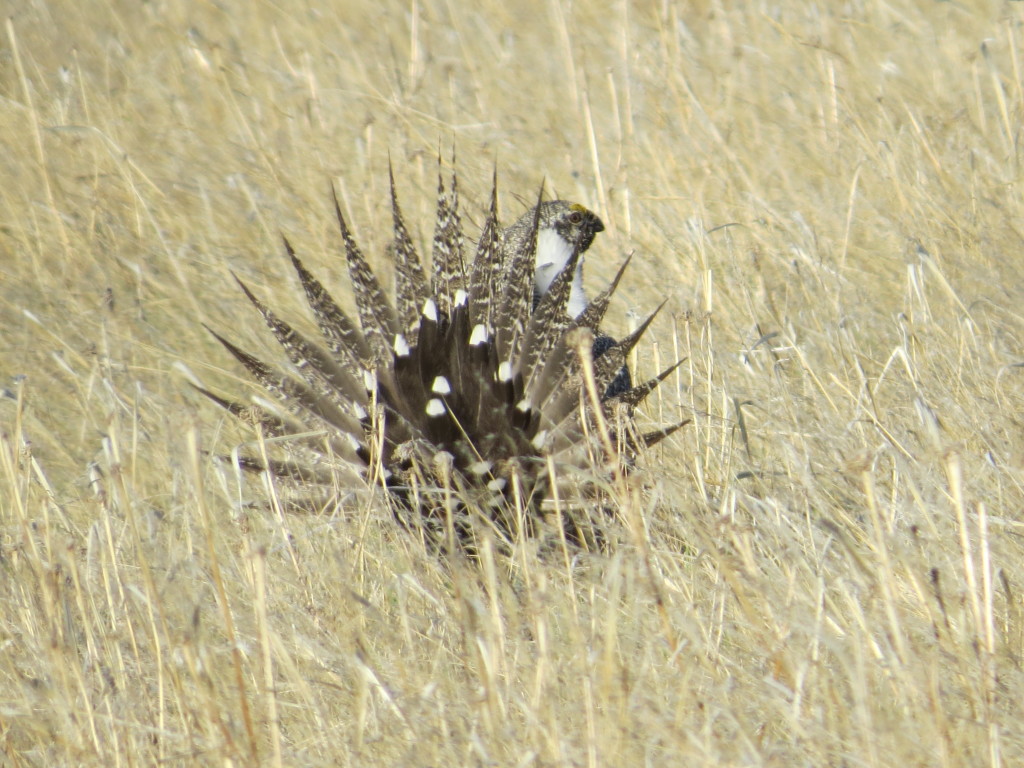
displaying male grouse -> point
(462, 394)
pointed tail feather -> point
(298, 397)
(410, 283)
(608, 365)
(485, 265)
(271, 425)
(289, 470)
(376, 315)
(276, 426)
(319, 369)
(449, 268)
(595, 311)
(516, 299)
(340, 333)
(636, 395)
(651, 439)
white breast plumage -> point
(553, 252)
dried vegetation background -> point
(825, 568)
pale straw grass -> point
(825, 568)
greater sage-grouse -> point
(463, 396)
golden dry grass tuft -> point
(826, 568)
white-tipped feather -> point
(430, 310)
(479, 335)
(401, 346)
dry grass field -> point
(825, 568)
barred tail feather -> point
(340, 333)
(516, 296)
(449, 268)
(376, 315)
(410, 283)
(482, 296)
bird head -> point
(563, 229)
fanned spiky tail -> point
(460, 393)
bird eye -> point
(575, 217)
